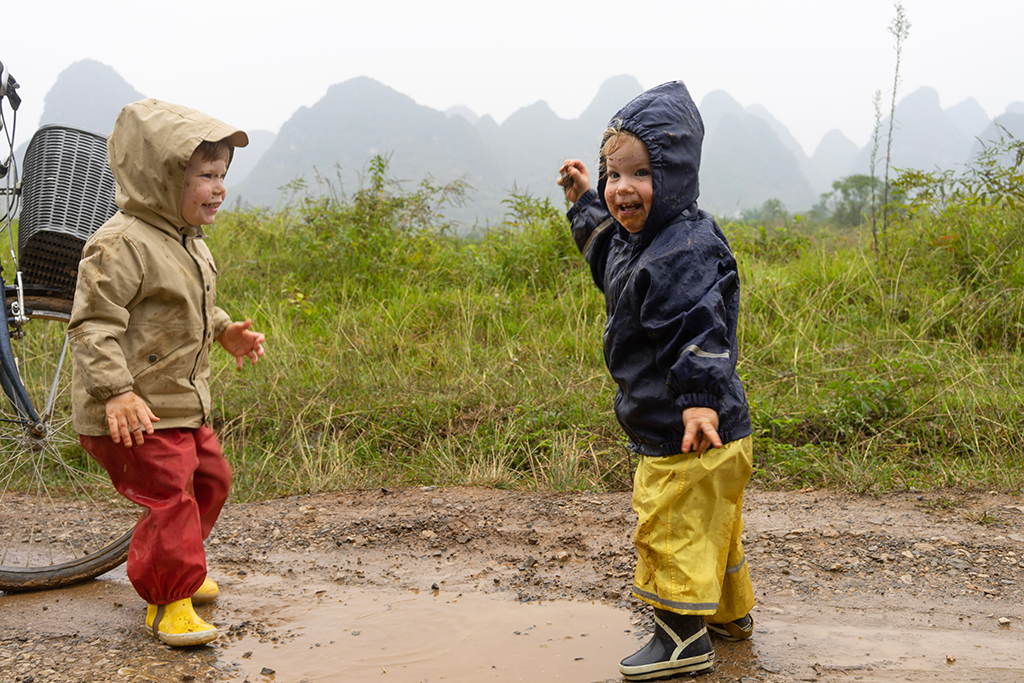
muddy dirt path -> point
(460, 585)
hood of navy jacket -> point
(666, 119)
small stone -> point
(267, 671)
(1004, 622)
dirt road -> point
(472, 585)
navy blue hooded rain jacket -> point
(672, 292)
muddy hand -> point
(574, 184)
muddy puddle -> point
(288, 629)
(329, 632)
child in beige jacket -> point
(143, 324)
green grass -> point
(398, 354)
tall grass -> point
(399, 354)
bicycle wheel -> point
(61, 521)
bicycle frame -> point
(10, 377)
(66, 193)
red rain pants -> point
(182, 479)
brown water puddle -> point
(289, 630)
(330, 632)
(338, 633)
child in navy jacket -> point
(672, 297)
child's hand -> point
(242, 343)
(128, 414)
(574, 180)
(700, 430)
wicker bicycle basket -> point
(67, 193)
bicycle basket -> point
(67, 193)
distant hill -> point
(334, 139)
(968, 116)
(749, 161)
(464, 112)
(337, 136)
(245, 158)
(925, 137)
(88, 95)
(833, 159)
(748, 156)
(1009, 123)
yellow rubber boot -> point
(178, 625)
(207, 593)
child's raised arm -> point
(574, 180)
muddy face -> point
(204, 190)
(629, 189)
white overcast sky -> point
(814, 64)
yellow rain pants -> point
(690, 557)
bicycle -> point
(70, 524)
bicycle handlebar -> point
(8, 86)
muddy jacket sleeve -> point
(591, 224)
(100, 316)
(221, 320)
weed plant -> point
(399, 354)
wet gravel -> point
(949, 559)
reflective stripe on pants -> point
(688, 536)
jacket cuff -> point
(101, 394)
(221, 320)
(684, 401)
(586, 199)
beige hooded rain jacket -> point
(145, 313)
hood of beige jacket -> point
(149, 150)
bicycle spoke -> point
(65, 507)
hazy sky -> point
(814, 64)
